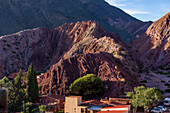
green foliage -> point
(31, 107)
(89, 86)
(5, 82)
(32, 85)
(167, 90)
(162, 81)
(144, 97)
(42, 108)
(17, 94)
(9, 45)
(167, 84)
(143, 81)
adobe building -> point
(73, 105)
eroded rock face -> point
(42, 46)
(103, 64)
(99, 52)
(71, 51)
(153, 47)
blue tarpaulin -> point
(97, 108)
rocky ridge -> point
(99, 52)
(153, 47)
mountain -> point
(16, 15)
(152, 51)
(153, 47)
(70, 51)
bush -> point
(30, 108)
(167, 90)
(167, 84)
(143, 81)
(42, 108)
(162, 81)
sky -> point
(145, 10)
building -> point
(12, 76)
(53, 102)
(73, 104)
(116, 109)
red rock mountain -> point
(153, 47)
(93, 51)
(71, 51)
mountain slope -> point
(70, 51)
(152, 50)
(154, 45)
(16, 15)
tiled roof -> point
(59, 97)
(117, 106)
(13, 75)
(122, 111)
(94, 102)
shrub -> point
(143, 81)
(167, 90)
(9, 45)
(42, 108)
(162, 81)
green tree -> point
(89, 86)
(144, 97)
(32, 85)
(17, 94)
(5, 82)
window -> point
(82, 110)
(75, 110)
(43, 101)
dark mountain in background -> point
(17, 15)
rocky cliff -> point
(93, 51)
(153, 47)
(16, 15)
(70, 51)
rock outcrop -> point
(153, 47)
(94, 51)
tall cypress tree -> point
(32, 85)
(16, 94)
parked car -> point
(167, 102)
(156, 110)
(163, 108)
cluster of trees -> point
(144, 97)
(89, 87)
(21, 92)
